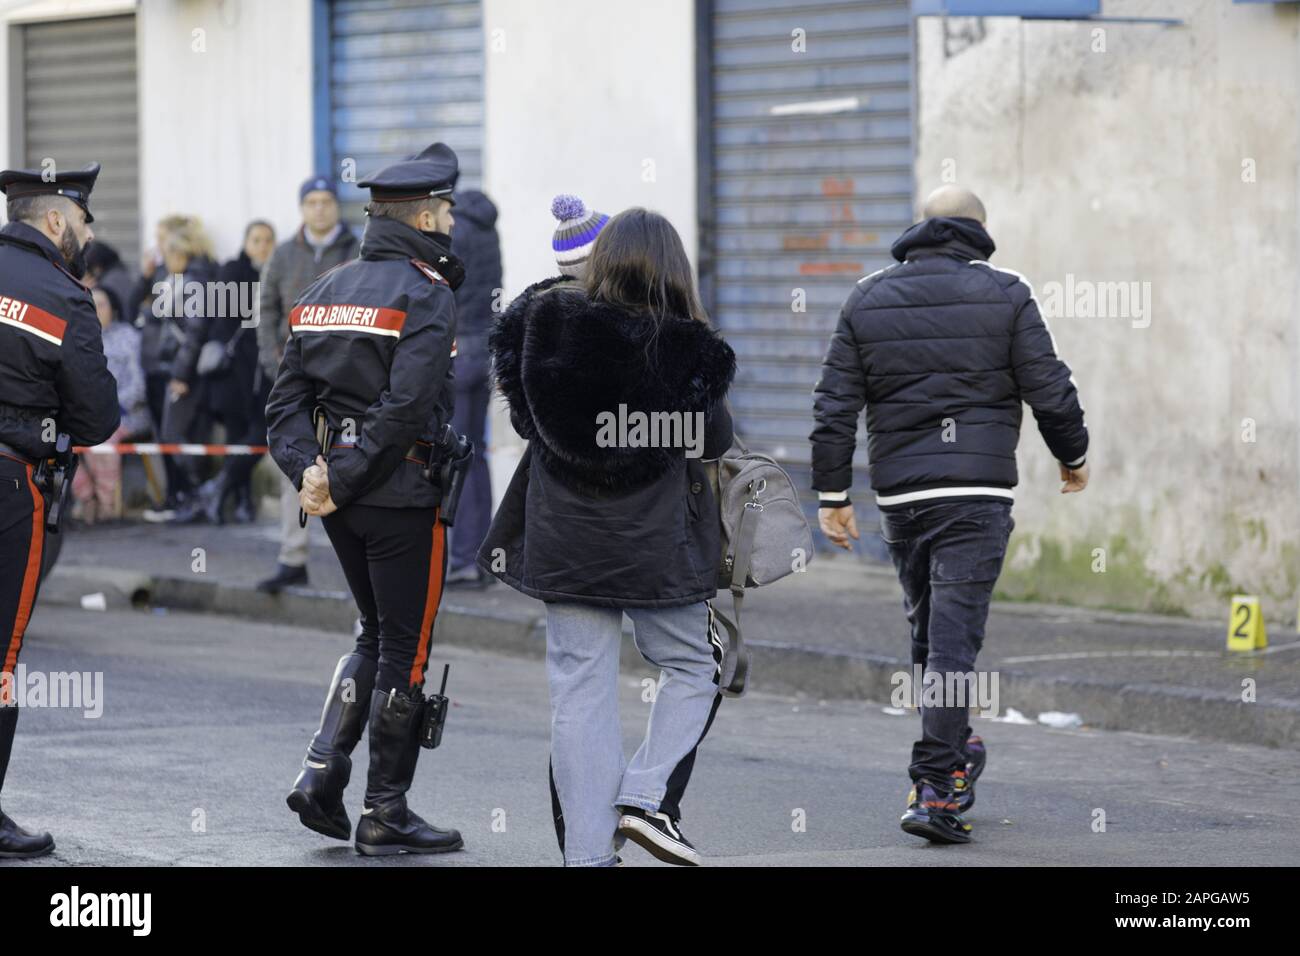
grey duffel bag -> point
(765, 536)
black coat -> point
(51, 349)
(173, 323)
(941, 349)
(612, 526)
(370, 342)
(228, 392)
(476, 244)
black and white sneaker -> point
(659, 834)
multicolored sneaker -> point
(976, 757)
(933, 813)
(963, 791)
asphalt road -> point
(205, 719)
(840, 605)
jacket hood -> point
(386, 238)
(561, 360)
(945, 234)
(476, 207)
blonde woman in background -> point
(172, 332)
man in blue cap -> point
(370, 346)
(54, 383)
(323, 242)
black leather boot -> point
(286, 575)
(317, 794)
(15, 842)
(387, 826)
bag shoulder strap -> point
(735, 661)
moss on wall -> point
(1062, 575)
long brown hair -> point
(639, 263)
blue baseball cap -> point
(316, 184)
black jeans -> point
(185, 419)
(394, 560)
(250, 429)
(948, 555)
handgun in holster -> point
(450, 456)
(435, 715)
(53, 475)
(325, 438)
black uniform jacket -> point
(371, 341)
(51, 351)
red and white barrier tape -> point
(171, 448)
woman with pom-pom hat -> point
(600, 530)
(575, 235)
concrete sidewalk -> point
(835, 631)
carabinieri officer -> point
(371, 344)
(53, 379)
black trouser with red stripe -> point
(22, 540)
(395, 560)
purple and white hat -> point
(576, 233)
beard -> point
(74, 253)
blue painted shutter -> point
(404, 74)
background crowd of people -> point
(191, 373)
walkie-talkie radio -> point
(435, 714)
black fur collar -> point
(560, 360)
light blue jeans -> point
(590, 777)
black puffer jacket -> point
(616, 526)
(941, 349)
(475, 242)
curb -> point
(782, 668)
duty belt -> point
(417, 453)
(444, 462)
(9, 451)
(52, 475)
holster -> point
(449, 460)
(53, 476)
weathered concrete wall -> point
(585, 97)
(1160, 155)
(225, 113)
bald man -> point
(941, 348)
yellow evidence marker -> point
(1246, 624)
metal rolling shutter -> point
(404, 74)
(806, 192)
(79, 104)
